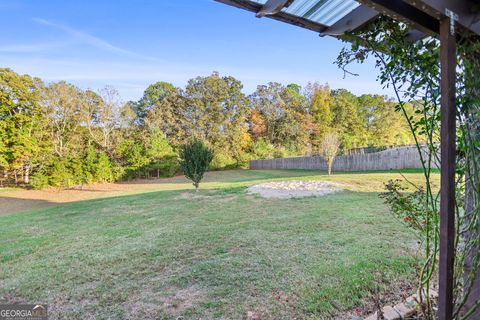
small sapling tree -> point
(329, 149)
(195, 159)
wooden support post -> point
(448, 61)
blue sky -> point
(131, 44)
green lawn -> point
(218, 255)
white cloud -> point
(91, 40)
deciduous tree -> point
(321, 110)
(102, 116)
(329, 149)
(63, 104)
(217, 112)
(163, 107)
(347, 121)
(20, 121)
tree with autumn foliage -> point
(216, 111)
(59, 134)
(321, 110)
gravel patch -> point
(294, 189)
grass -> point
(8, 189)
(220, 254)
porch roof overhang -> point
(337, 17)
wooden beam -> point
(448, 61)
(405, 12)
(351, 21)
(467, 17)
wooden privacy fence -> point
(398, 158)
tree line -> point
(60, 135)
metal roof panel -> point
(325, 12)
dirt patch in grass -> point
(12, 298)
(143, 310)
(183, 299)
(149, 305)
(205, 195)
(190, 196)
(60, 305)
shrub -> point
(165, 167)
(39, 181)
(243, 160)
(103, 168)
(60, 175)
(118, 172)
(222, 161)
(261, 149)
(281, 152)
(169, 166)
(411, 207)
(78, 176)
(89, 160)
(195, 159)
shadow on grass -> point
(10, 205)
(229, 181)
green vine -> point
(412, 70)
